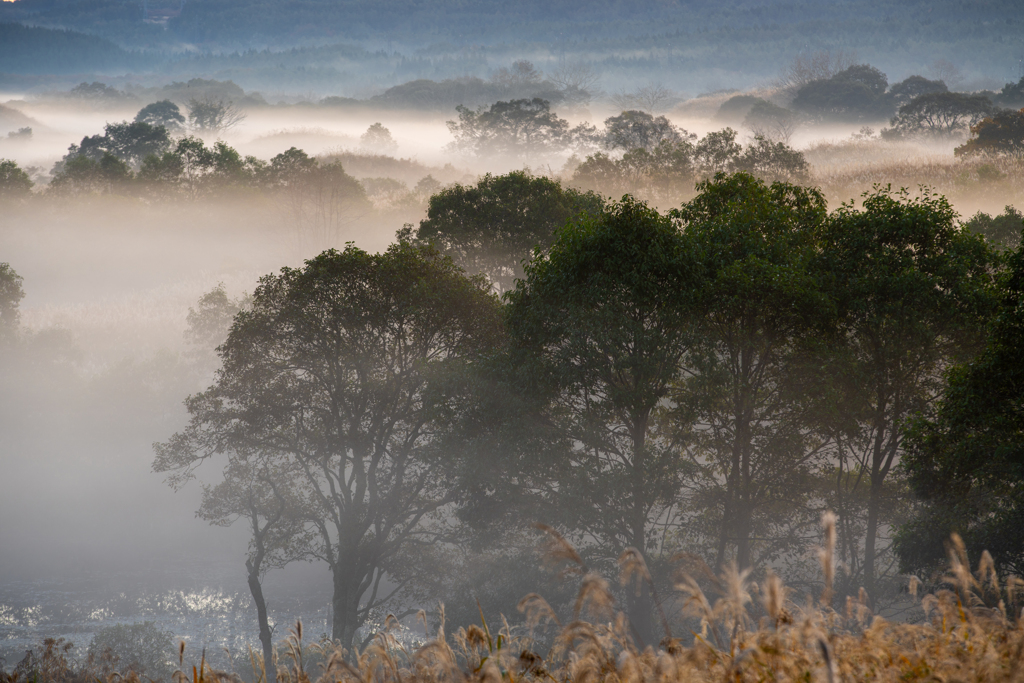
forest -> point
(536, 381)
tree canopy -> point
(493, 227)
(967, 462)
(339, 372)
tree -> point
(864, 74)
(321, 201)
(1002, 133)
(1012, 95)
(378, 138)
(11, 295)
(82, 175)
(493, 227)
(576, 80)
(648, 98)
(212, 116)
(747, 416)
(251, 491)
(1002, 231)
(163, 113)
(257, 493)
(940, 113)
(14, 182)
(912, 290)
(129, 142)
(815, 66)
(518, 129)
(639, 130)
(913, 87)
(854, 94)
(339, 373)
(773, 161)
(599, 333)
(717, 152)
(967, 462)
(521, 74)
(771, 121)
(133, 142)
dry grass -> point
(747, 633)
(846, 169)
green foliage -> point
(940, 113)
(747, 411)
(11, 295)
(131, 143)
(913, 289)
(967, 461)
(913, 87)
(143, 648)
(666, 172)
(640, 130)
(81, 175)
(1002, 231)
(340, 373)
(774, 161)
(1012, 95)
(717, 152)
(163, 113)
(1002, 133)
(599, 329)
(855, 94)
(14, 182)
(492, 227)
(525, 129)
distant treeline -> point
(34, 50)
(621, 36)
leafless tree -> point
(578, 75)
(814, 66)
(947, 72)
(212, 116)
(650, 98)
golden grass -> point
(846, 169)
(748, 633)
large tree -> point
(913, 289)
(941, 113)
(747, 414)
(338, 373)
(967, 462)
(522, 129)
(1002, 133)
(492, 227)
(639, 130)
(599, 337)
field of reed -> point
(743, 630)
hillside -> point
(35, 50)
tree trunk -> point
(261, 615)
(870, 534)
(346, 608)
(640, 607)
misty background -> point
(89, 535)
